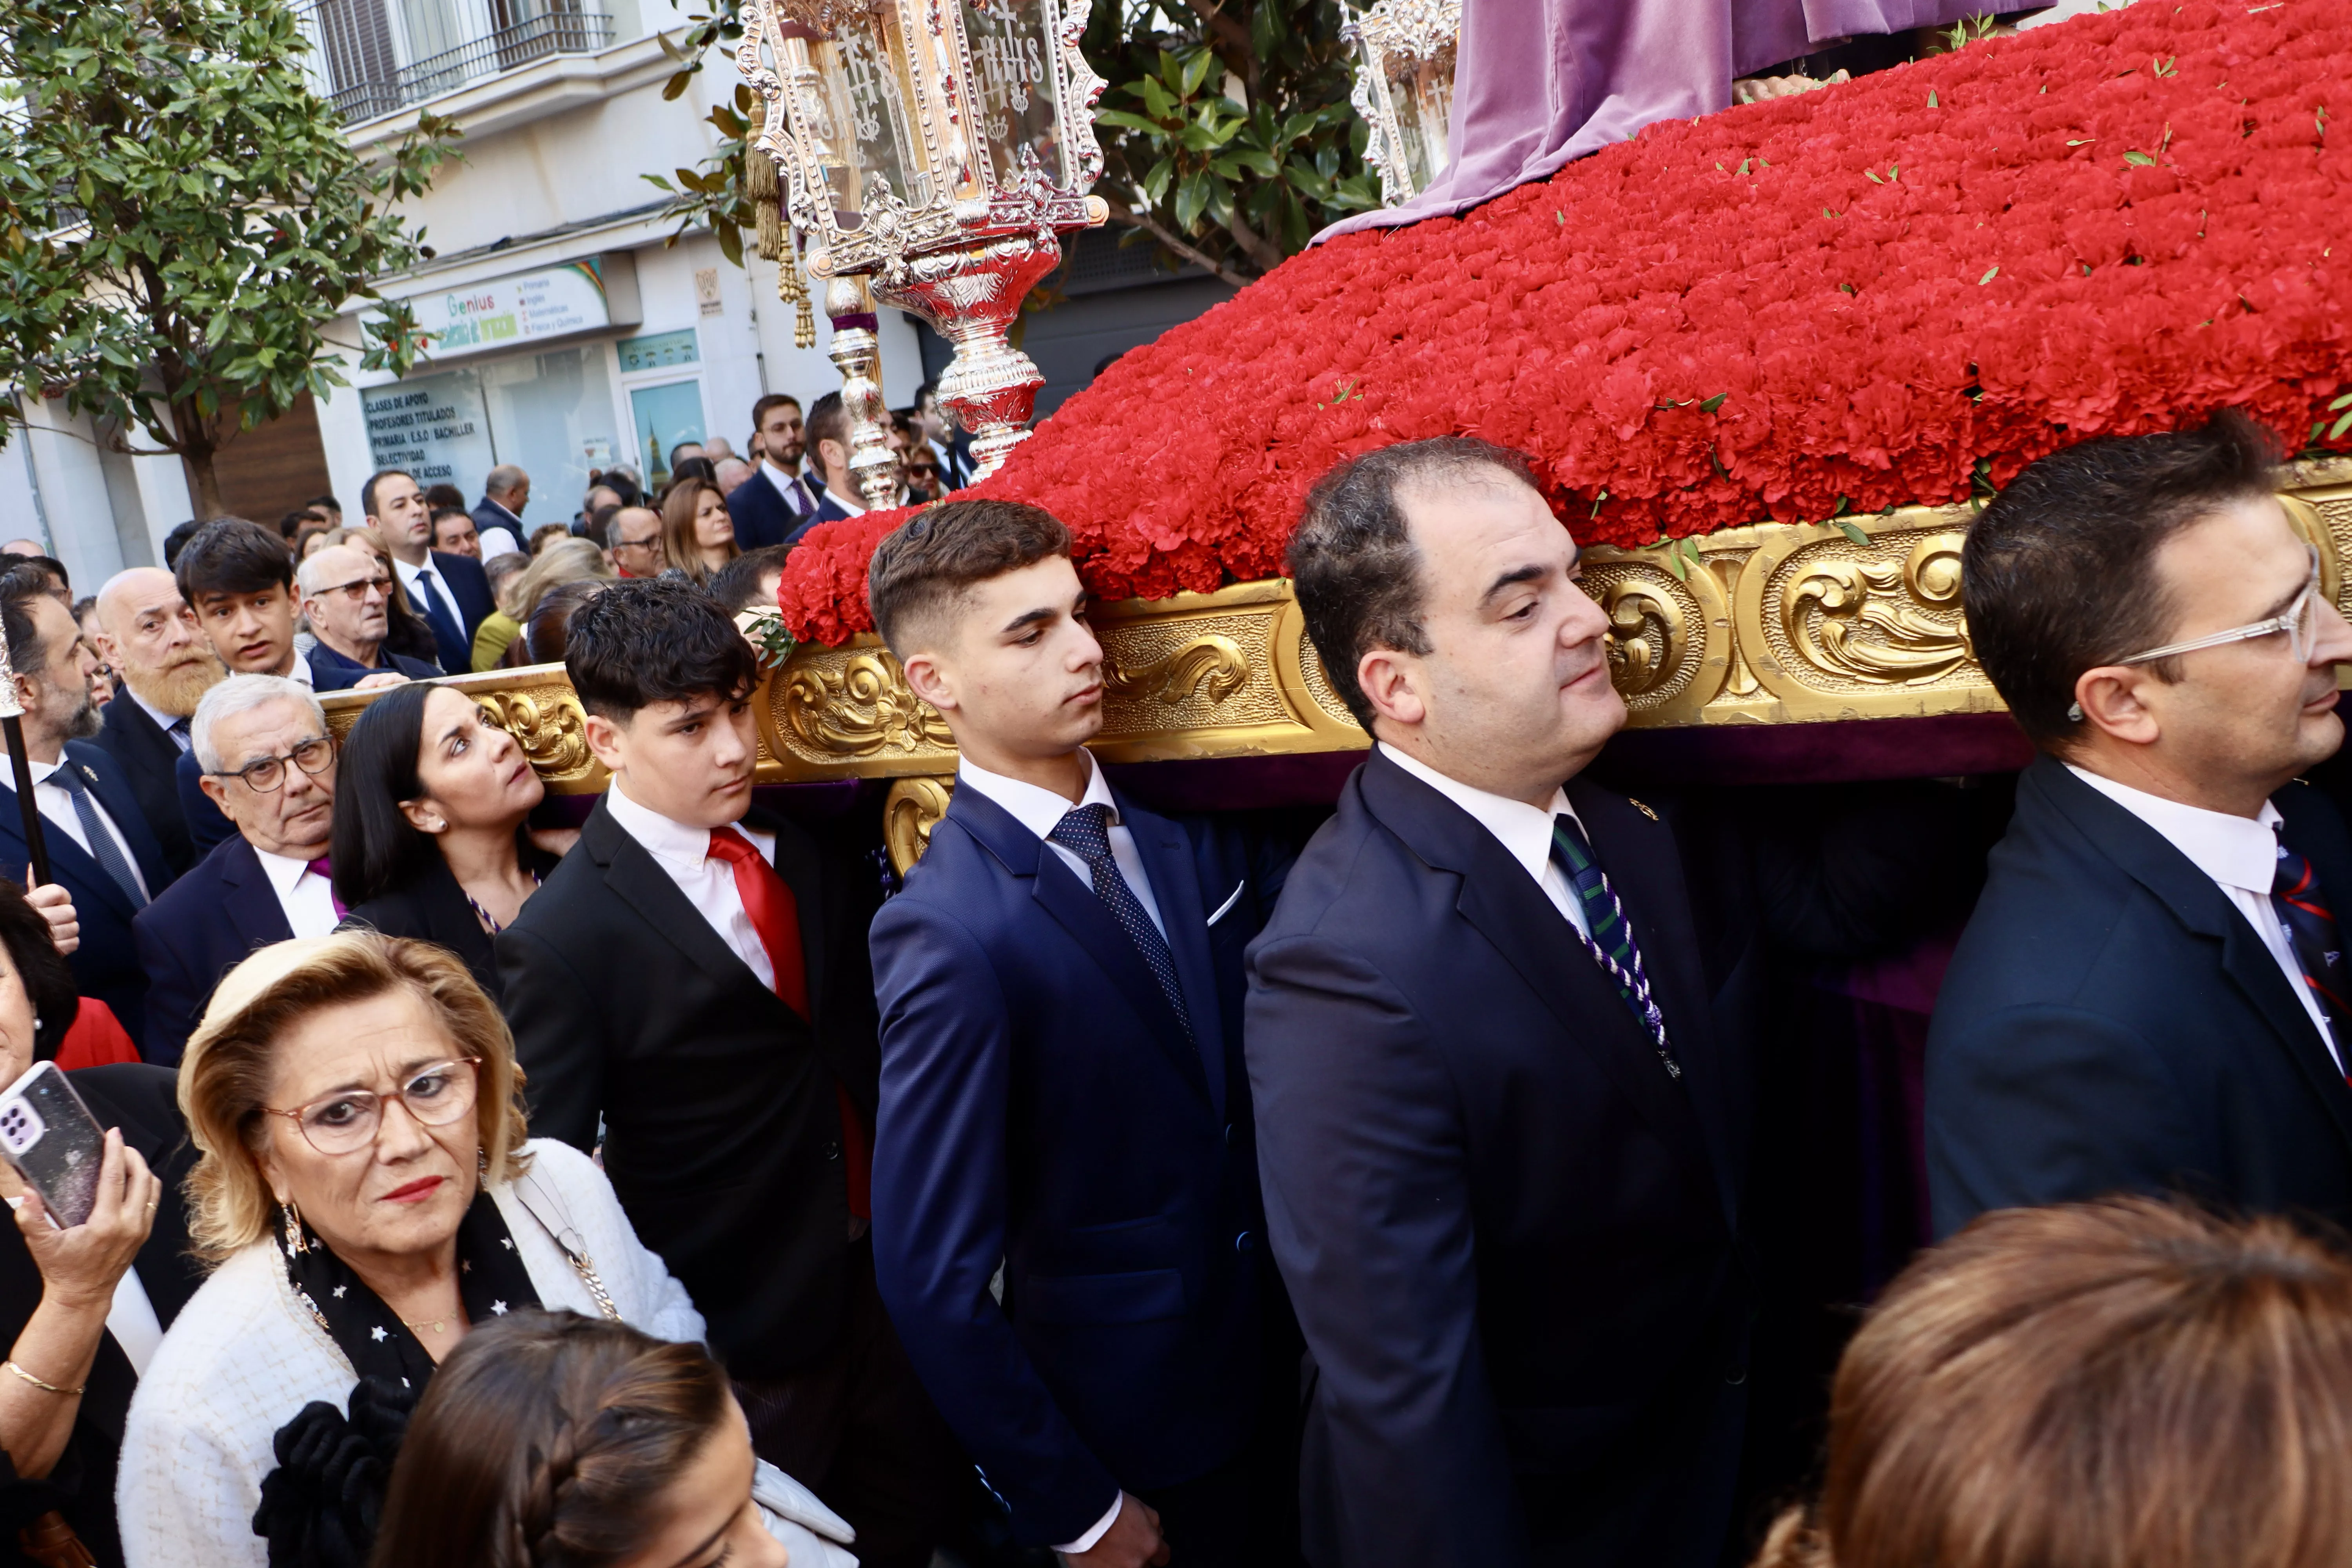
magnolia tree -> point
(1226, 132)
(182, 219)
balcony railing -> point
(356, 67)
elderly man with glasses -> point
(269, 765)
(343, 593)
(2151, 995)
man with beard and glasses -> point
(774, 503)
(102, 850)
(165, 665)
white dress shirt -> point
(416, 599)
(57, 808)
(1520, 828)
(303, 672)
(799, 500)
(2241, 854)
(709, 884)
(308, 899)
(1040, 810)
(163, 721)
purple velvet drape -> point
(1537, 82)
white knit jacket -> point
(243, 1357)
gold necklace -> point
(436, 1324)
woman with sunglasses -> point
(364, 1192)
(429, 840)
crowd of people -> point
(671, 1186)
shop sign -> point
(434, 427)
(505, 312)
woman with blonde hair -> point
(364, 1191)
(2119, 1384)
(697, 536)
(561, 561)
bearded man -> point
(166, 664)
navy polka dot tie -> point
(1086, 833)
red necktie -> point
(774, 914)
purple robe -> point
(1537, 82)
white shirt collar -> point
(1038, 809)
(1517, 825)
(664, 837)
(409, 575)
(163, 720)
(301, 671)
(41, 771)
(283, 871)
(2235, 851)
(844, 500)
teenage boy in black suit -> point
(695, 974)
(1063, 1104)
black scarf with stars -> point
(319, 1508)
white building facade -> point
(572, 334)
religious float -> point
(1768, 364)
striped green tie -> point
(1612, 939)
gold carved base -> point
(1776, 624)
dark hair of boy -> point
(230, 555)
(920, 571)
(649, 640)
(827, 421)
(736, 584)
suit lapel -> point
(1642, 862)
(1167, 857)
(66, 858)
(638, 881)
(114, 793)
(251, 903)
(1507, 907)
(1073, 906)
(797, 864)
(2199, 903)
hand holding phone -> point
(93, 1200)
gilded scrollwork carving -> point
(912, 808)
(549, 726)
(1649, 634)
(1885, 622)
(1213, 666)
(858, 708)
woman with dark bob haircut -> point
(2119, 1384)
(81, 1309)
(554, 1440)
(431, 796)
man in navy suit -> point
(269, 765)
(828, 448)
(345, 592)
(1501, 1069)
(449, 591)
(771, 506)
(1063, 1091)
(2151, 995)
(165, 665)
(100, 849)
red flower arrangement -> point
(1893, 291)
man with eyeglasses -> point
(2151, 995)
(269, 765)
(343, 593)
(636, 547)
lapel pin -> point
(1644, 810)
(87, 773)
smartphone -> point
(53, 1141)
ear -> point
(106, 649)
(2112, 697)
(29, 692)
(835, 454)
(1392, 683)
(928, 678)
(424, 817)
(217, 790)
(607, 741)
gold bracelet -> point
(37, 1382)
